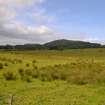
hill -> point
(54, 45)
(70, 44)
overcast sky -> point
(39, 21)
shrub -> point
(20, 61)
(13, 62)
(34, 61)
(1, 66)
(9, 76)
(35, 73)
(43, 76)
(28, 72)
(27, 78)
(35, 67)
(25, 74)
(6, 64)
(27, 64)
(80, 73)
(21, 72)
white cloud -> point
(19, 2)
(13, 29)
(43, 30)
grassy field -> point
(69, 77)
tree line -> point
(54, 45)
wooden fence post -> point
(10, 101)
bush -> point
(80, 73)
(35, 67)
(9, 76)
(35, 73)
(1, 66)
(13, 62)
(25, 74)
(19, 61)
(21, 72)
(27, 64)
(43, 76)
(27, 78)
(5, 64)
(34, 61)
(28, 72)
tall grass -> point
(76, 73)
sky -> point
(40, 21)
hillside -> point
(54, 45)
(70, 44)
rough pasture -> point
(69, 77)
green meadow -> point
(50, 77)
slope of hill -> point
(70, 44)
(54, 45)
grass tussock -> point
(75, 73)
(9, 76)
